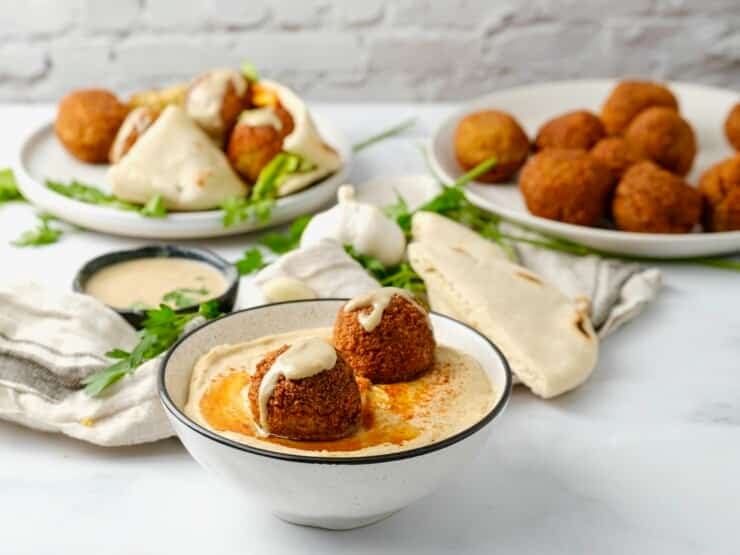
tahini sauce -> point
(145, 281)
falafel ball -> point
(732, 126)
(664, 137)
(579, 129)
(215, 100)
(629, 98)
(720, 190)
(251, 147)
(322, 407)
(649, 199)
(87, 123)
(566, 185)
(491, 133)
(617, 154)
(136, 123)
(399, 348)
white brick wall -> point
(364, 49)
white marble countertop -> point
(644, 458)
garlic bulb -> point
(361, 225)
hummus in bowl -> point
(411, 436)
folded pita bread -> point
(547, 338)
(428, 227)
(176, 159)
(304, 140)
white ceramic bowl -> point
(335, 493)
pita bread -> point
(304, 140)
(429, 227)
(176, 159)
(547, 338)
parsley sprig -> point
(250, 262)
(161, 328)
(154, 208)
(9, 187)
(401, 275)
(383, 135)
(89, 194)
(42, 234)
(183, 297)
(280, 243)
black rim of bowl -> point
(367, 459)
(206, 256)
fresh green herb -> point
(249, 71)
(280, 243)
(161, 328)
(274, 173)
(42, 234)
(259, 204)
(182, 298)
(402, 275)
(400, 213)
(90, 195)
(250, 262)
(154, 208)
(240, 209)
(387, 134)
(9, 187)
(476, 172)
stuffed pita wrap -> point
(176, 159)
(547, 338)
(315, 158)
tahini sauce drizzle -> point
(261, 117)
(304, 358)
(378, 300)
(137, 122)
(206, 96)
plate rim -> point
(561, 228)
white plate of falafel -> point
(632, 167)
(223, 154)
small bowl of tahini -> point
(134, 281)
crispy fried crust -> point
(566, 185)
(664, 137)
(146, 117)
(720, 190)
(629, 98)
(579, 129)
(232, 105)
(617, 154)
(732, 127)
(650, 199)
(399, 349)
(481, 135)
(87, 123)
(319, 408)
(251, 148)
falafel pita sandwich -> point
(318, 159)
(176, 159)
(547, 338)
